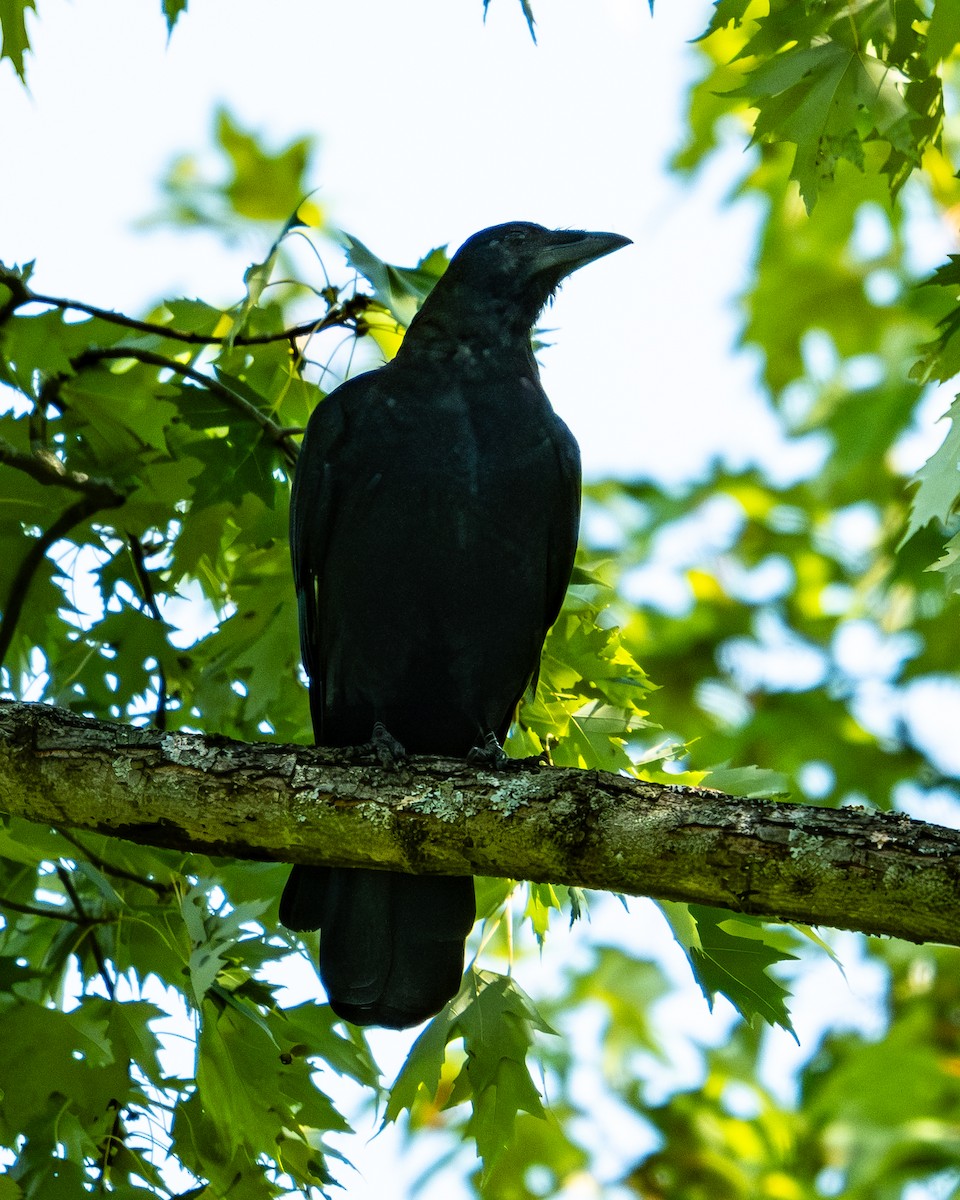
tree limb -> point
(84, 508)
(344, 314)
(851, 868)
(44, 466)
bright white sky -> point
(432, 125)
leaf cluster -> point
(840, 82)
(111, 1097)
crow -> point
(434, 521)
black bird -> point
(434, 522)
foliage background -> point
(771, 595)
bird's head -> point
(503, 276)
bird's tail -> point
(391, 945)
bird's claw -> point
(489, 754)
(383, 746)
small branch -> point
(150, 600)
(84, 508)
(112, 1144)
(84, 920)
(44, 466)
(851, 868)
(340, 314)
(111, 869)
(47, 911)
(275, 432)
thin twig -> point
(64, 876)
(150, 600)
(47, 911)
(340, 314)
(111, 869)
(275, 432)
(111, 1145)
(85, 507)
(44, 466)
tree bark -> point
(850, 868)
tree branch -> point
(277, 433)
(851, 868)
(44, 466)
(109, 868)
(48, 912)
(344, 314)
(149, 601)
(85, 507)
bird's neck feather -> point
(484, 332)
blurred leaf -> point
(172, 10)
(943, 32)
(13, 26)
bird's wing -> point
(565, 527)
(312, 513)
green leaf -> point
(589, 697)
(255, 1100)
(949, 564)
(827, 99)
(264, 186)
(13, 26)
(749, 782)
(497, 1022)
(938, 480)
(730, 956)
(172, 10)
(725, 12)
(943, 32)
(213, 936)
(541, 898)
(401, 290)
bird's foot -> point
(491, 754)
(488, 754)
(386, 747)
(383, 746)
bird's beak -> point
(569, 249)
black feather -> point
(433, 530)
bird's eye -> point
(514, 236)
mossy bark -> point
(850, 868)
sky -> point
(432, 124)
